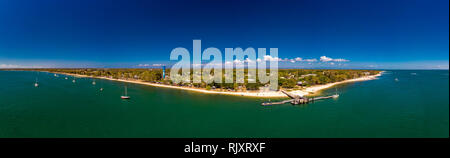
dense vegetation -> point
(287, 78)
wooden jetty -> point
(296, 99)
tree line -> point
(287, 78)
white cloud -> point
(8, 66)
(270, 58)
(310, 60)
(293, 60)
(147, 65)
(143, 65)
(327, 59)
(247, 60)
(341, 60)
(12, 66)
(236, 61)
(267, 57)
(298, 59)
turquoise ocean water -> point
(417, 105)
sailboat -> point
(336, 95)
(125, 96)
(36, 83)
(101, 86)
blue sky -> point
(375, 34)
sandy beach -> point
(265, 94)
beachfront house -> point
(301, 83)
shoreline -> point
(266, 94)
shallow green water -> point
(413, 106)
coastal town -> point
(299, 82)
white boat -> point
(93, 82)
(125, 96)
(73, 81)
(396, 79)
(36, 84)
(335, 95)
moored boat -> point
(36, 84)
(125, 96)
